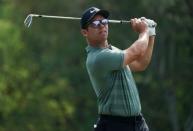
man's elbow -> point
(139, 68)
(143, 68)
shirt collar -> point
(92, 48)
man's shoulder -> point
(98, 54)
(115, 48)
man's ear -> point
(84, 32)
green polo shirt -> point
(113, 83)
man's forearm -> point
(143, 61)
(137, 49)
(146, 58)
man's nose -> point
(101, 25)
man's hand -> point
(139, 25)
(151, 26)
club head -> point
(28, 20)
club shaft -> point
(75, 18)
(55, 17)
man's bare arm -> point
(138, 48)
(143, 61)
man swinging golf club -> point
(109, 69)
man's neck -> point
(100, 45)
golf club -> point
(29, 19)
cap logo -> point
(92, 11)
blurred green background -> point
(44, 84)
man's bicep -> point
(131, 54)
(128, 58)
(132, 60)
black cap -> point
(89, 13)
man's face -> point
(97, 30)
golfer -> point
(110, 71)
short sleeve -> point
(110, 59)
